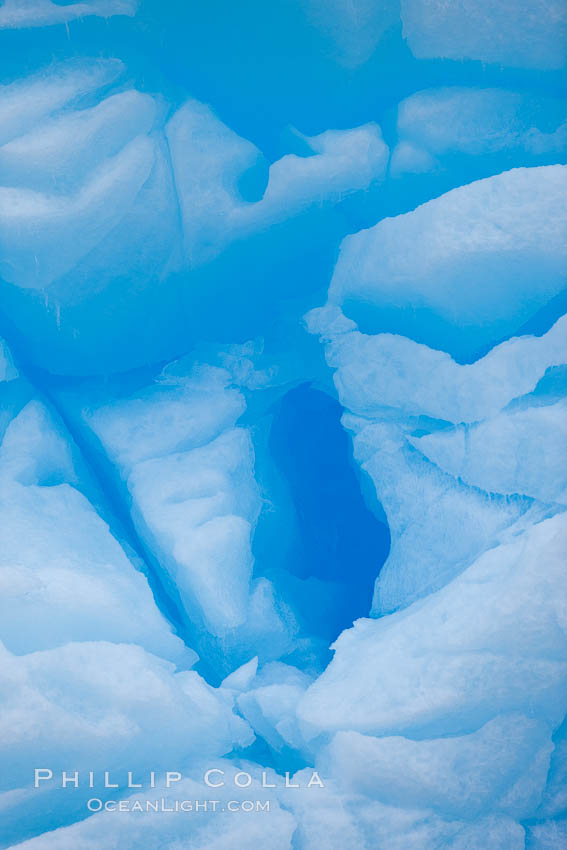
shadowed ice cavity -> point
(337, 544)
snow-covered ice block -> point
(97, 706)
(381, 371)
(547, 835)
(456, 659)
(355, 28)
(175, 414)
(63, 150)
(398, 389)
(438, 524)
(485, 257)
(525, 34)
(229, 824)
(47, 577)
(240, 679)
(521, 450)
(204, 502)
(44, 236)
(463, 776)
(41, 13)
(117, 693)
(189, 473)
(8, 371)
(441, 124)
(209, 158)
(81, 191)
(337, 819)
(26, 102)
(269, 704)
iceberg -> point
(283, 425)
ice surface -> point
(97, 640)
(101, 203)
(335, 819)
(116, 695)
(485, 455)
(195, 498)
(283, 292)
(25, 102)
(7, 369)
(211, 829)
(126, 687)
(439, 127)
(477, 121)
(47, 577)
(484, 258)
(403, 395)
(189, 472)
(460, 776)
(424, 508)
(355, 28)
(410, 158)
(48, 580)
(377, 372)
(142, 202)
(553, 798)
(208, 158)
(199, 501)
(529, 34)
(547, 835)
(43, 159)
(269, 704)
(239, 680)
(173, 415)
(38, 13)
(456, 659)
